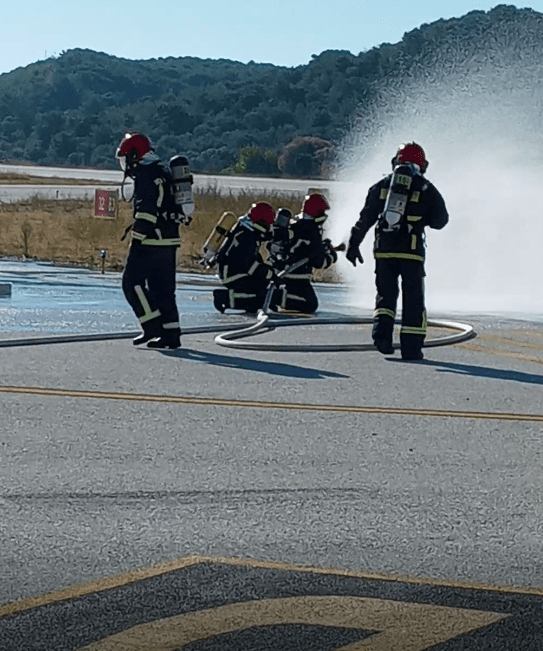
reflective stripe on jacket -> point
(425, 207)
(152, 207)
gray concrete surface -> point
(94, 486)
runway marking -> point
(108, 583)
(402, 626)
(257, 404)
(378, 621)
(141, 574)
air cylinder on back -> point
(397, 197)
(182, 184)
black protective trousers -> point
(149, 287)
(413, 326)
(296, 294)
(245, 294)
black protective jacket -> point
(306, 242)
(425, 207)
(156, 222)
(239, 257)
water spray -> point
(477, 113)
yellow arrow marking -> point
(119, 580)
(401, 626)
(257, 404)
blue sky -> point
(282, 32)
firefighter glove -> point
(330, 251)
(353, 254)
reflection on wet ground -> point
(50, 299)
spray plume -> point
(477, 110)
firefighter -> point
(305, 242)
(148, 280)
(400, 206)
(242, 270)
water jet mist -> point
(480, 122)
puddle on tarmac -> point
(49, 299)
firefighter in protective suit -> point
(305, 242)
(400, 206)
(242, 270)
(148, 280)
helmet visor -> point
(122, 162)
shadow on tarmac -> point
(480, 371)
(273, 368)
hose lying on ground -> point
(263, 321)
(234, 331)
(240, 330)
(227, 339)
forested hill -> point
(249, 118)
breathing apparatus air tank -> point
(280, 238)
(397, 197)
(217, 238)
(182, 186)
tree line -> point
(231, 117)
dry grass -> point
(67, 232)
(26, 179)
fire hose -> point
(237, 331)
(263, 321)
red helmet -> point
(411, 153)
(262, 213)
(315, 205)
(132, 149)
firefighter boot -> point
(411, 346)
(220, 300)
(383, 333)
(168, 340)
(151, 330)
(384, 346)
(412, 355)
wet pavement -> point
(48, 299)
(213, 499)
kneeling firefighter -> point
(304, 242)
(162, 199)
(242, 270)
(400, 206)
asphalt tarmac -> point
(211, 498)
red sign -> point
(105, 203)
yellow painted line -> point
(257, 404)
(503, 353)
(108, 583)
(397, 625)
(371, 576)
(120, 580)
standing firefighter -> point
(305, 242)
(242, 270)
(401, 206)
(149, 275)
